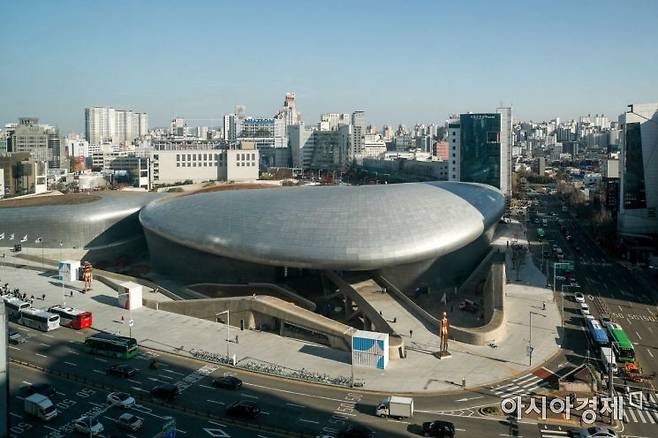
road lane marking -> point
(217, 424)
(137, 388)
(165, 377)
(650, 353)
(98, 372)
(136, 382)
(216, 402)
(309, 421)
(206, 386)
(250, 396)
(173, 372)
(15, 415)
(13, 348)
(44, 344)
(294, 392)
(74, 352)
(295, 405)
(100, 360)
(71, 363)
(620, 308)
(638, 335)
(41, 355)
(48, 336)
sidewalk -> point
(419, 372)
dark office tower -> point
(480, 149)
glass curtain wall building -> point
(480, 148)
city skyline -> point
(192, 62)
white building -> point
(2, 183)
(374, 146)
(201, 165)
(105, 124)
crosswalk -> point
(547, 431)
(521, 386)
(647, 415)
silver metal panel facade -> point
(336, 227)
(97, 224)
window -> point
(177, 164)
(454, 155)
(253, 156)
(216, 155)
(493, 137)
(194, 164)
(205, 164)
(205, 156)
(189, 157)
(193, 157)
(454, 141)
(242, 157)
(177, 157)
(454, 162)
(156, 157)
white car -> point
(580, 298)
(88, 425)
(130, 422)
(584, 309)
(121, 399)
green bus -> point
(622, 346)
(105, 344)
(540, 233)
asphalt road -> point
(610, 288)
(294, 407)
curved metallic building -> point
(106, 226)
(400, 229)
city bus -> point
(38, 319)
(72, 318)
(597, 333)
(105, 344)
(15, 305)
(621, 344)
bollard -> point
(464, 383)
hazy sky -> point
(400, 61)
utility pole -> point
(530, 347)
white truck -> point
(395, 406)
(40, 406)
(608, 359)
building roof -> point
(336, 227)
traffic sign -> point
(567, 266)
(131, 323)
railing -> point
(263, 367)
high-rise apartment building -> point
(230, 128)
(638, 171)
(481, 150)
(109, 125)
(359, 126)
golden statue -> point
(443, 334)
(87, 275)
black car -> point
(121, 370)
(42, 388)
(166, 391)
(16, 338)
(227, 382)
(357, 431)
(243, 409)
(439, 429)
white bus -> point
(39, 319)
(15, 305)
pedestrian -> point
(543, 306)
(32, 298)
(411, 333)
(380, 313)
(71, 293)
(395, 319)
(236, 339)
(43, 297)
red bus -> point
(72, 318)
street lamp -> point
(228, 328)
(530, 348)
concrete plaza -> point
(421, 371)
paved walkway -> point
(421, 371)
